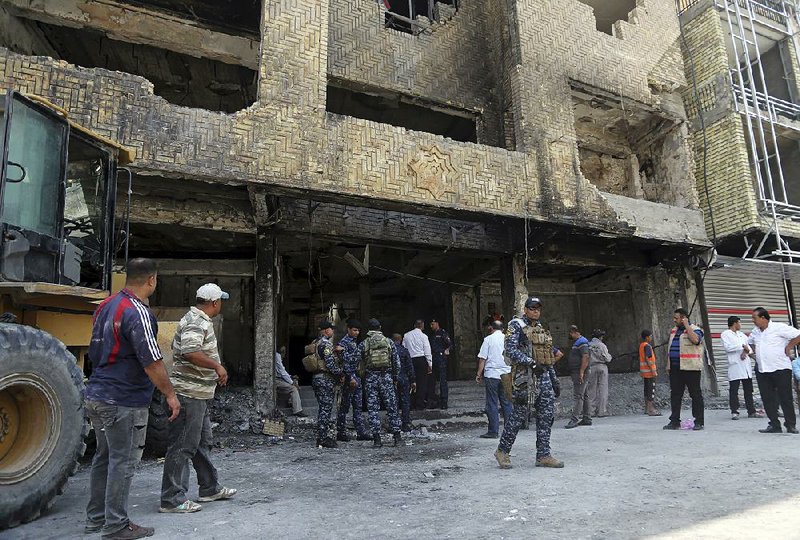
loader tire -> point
(42, 424)
(157, 427)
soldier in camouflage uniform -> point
(532, 370)
(351, 390)
(327, 385)
(380, 365)
(405, 382)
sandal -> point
(224, 493)
(186, 507)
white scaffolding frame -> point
(762, 114)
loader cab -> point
(57, 197)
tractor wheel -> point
(42, 425)
(157, 426)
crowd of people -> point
(516, 367)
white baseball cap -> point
(211, 292)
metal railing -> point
(763, 103)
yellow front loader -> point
(57, 248)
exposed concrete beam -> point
(137, 25)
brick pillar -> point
(294, 53)
(264, 324)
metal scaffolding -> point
(763, 115)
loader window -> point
(85, 214)
(31, 194)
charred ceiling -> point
(232, 16)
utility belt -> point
(381, 370)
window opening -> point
(608, 12)
(401, 111)
(401, 15)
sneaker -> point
(771, 429)
(131, 532)
(698, 427)
(489, 436)
(186, 507)
(224, 493)
(549, 461)
(342, 436)
(585, 421)
(756, 415)
(572, 424)
(673, 425)
(735, 416)
(503, 459)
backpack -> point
(378, 352)
(312, 361)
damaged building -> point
(741, 59)
(335, 159)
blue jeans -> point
(495, 396)
(120, 433)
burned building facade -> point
(332, 158)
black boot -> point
(397, 438)
(343, 436)
(376, 440)
(444, 405)
(364, 437)
(329, 443)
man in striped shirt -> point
(126, 363)
(196, 373)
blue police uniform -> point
(380, 388)
(404, 379)
(519, 349)
(326, 385)
(351, 395)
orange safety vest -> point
(647, 364)
(691, 358)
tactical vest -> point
(377, 353)
(541, 344)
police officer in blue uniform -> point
(405, 382)
(440, 350)
(351, 390)
(529, 349)
(327, 384)
(380, 366)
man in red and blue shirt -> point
(126, 364)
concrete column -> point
(513, 288)
(264, 322)
(364, 299)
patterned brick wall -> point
(731, 192)
(286, 139)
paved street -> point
(624, 478)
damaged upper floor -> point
(484, 111)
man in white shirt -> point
(419, 347)
(285, 385)
(491, 365)
(740, 369)
(773, 343)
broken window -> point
(179, 78)
(627, 148)
(607, 12)
(403, 111)
(402, 15)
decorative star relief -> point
(433, 171)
